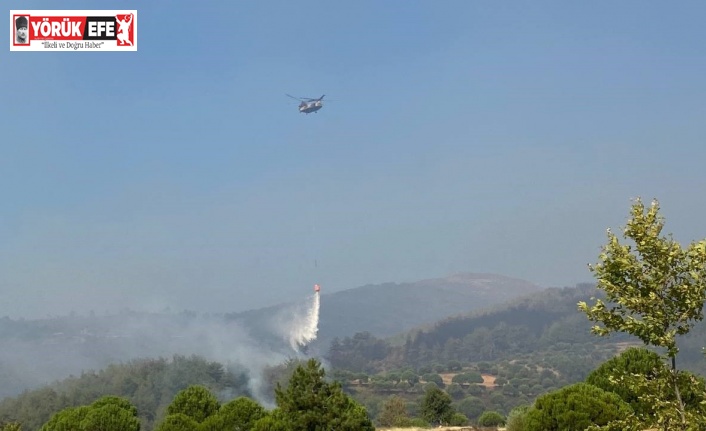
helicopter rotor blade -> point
(297, 98)
(310, 99)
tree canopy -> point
(309, 402)
(655, 290)
(491, 419)
(436, 406)
(574, 408)
(632, 361)
(196, 402)
(107, 413)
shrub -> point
(575, 407)
(471, 407)
(491, 419)
(517, 418)
(458, 420)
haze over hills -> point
(531, 344)
(38, 351)
(391, 308)
(543, 327)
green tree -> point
(410, 377)
(471, 377)
(241, 413)
(108, 413)
(393, 376)
(454, 365)
(196, 402)
(12, 426)
(517, 418)
(485, 367)
(280, 374)
(436, 406)
(309, 402)
(433, 378)
(177, 422)
(655, 391)
(68, 419)
(574, 408)
(632, 361)
(491, 419)
(270, 423)
(458, 420)
(471, 406)
(149, 384)
(394, 412)
(110, 417)
(214, 423)
(655, 290)
(455, 390)
(120, 402)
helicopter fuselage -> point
(308, 108)
(308, 105)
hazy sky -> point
(464, 136)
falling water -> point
(305, 327)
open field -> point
(488, 379)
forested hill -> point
(391, 308)
(543, 321)
(545, 326)
(149, 384)
(552, 310)
(39, 351)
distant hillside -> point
(39, 351)
(391, 308)
(534, 323)
(550, 310)
(527, 347)
(542, 325)
(521, 348)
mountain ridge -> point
(61, 346)
(368, 308)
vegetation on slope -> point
(149, 384)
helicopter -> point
(309, 105)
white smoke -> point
(305, 325)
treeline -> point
(149, 384)
(526, 326)
(595, 400)
(531, 347)
(306, 401)
(474, 389)
(38, 351)
(545, 325)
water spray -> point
(305, 328)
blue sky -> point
(463, 136)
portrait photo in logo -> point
(72, 30)
(124, 26)
(21, 30)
